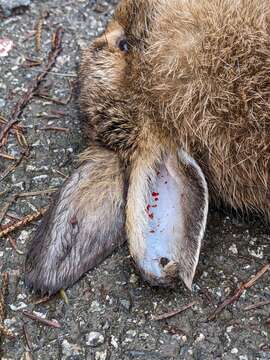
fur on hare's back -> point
(210, 85)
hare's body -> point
(168, 82)
(199, 78)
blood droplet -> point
(155, 194)
(151, 215)
(156, 199)
(73, 221)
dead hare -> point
(175, 97)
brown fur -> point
(197, 75)
(194, 84)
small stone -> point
(101, 355)
(94, 339)
(21, 305)
(2, 103)
(69, 349)
(24, 236)
(126, 304)
(233, 249)
(114, 342)
(200, 338)
(95, 306)
(131, 333)
(133, 279)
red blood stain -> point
(155, 194)
(73, 221)
(151, 215)
(156, 199)
(153, 206)
(158, 173)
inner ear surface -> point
(165, 238)
(164, 216)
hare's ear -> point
(82, 227)
(167, 207)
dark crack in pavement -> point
(110, 311)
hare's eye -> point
(123, 45)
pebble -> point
(126, 304)
(94, 339)
(69, 349)
(114, 342)
(101, 355)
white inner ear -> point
(166, 217)
(165, 220)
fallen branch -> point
(24, 100)
(237, 294)
(258, 305)
(35, 193)
(172, 313)
(7, 229)
(7, 156)
(12, 167)
(3, 294)
(51, 323)
(55, 128)
(27, 339)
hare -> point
(175, 97)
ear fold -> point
(82, 227)
(167, 210)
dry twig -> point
(55, 128)
(24, 100)
(3, 294)
(172, 313)
(51, 323)
(7, 229)
(236, 295)
(258, 305)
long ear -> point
(82, 227)
(167, 210)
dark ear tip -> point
(36, 283)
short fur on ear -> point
(167, 208)
(82, 227)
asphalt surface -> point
(111, 310)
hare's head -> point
(134, 183)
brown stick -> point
(236, 295)
(258, 305)
(3, 294)
(7, 229)
(7, 156)
(12, 167)
(51, 323)
(172, 313)
(24, 100)
(55, 128)
(36, 193)
(27, 339)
